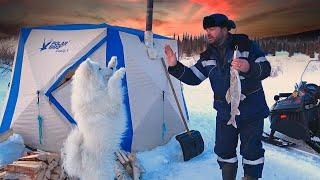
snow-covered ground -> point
(166, 162)
(11, 149)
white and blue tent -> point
(38, 102)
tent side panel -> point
(155, 118)
(15, 83)
(115, 48)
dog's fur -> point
(96, 102)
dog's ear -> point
(87, 67)
(113, 62)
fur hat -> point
(220, 20)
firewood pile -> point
(35, 166)
(39, 165)
(127, 166)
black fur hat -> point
(220, 20)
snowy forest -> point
(7, 50)
(306, 43)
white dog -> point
(96, 102)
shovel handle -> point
(175, 96)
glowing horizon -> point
(256, 18)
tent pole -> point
(149, 15)
(148, 35)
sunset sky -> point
(256, 18)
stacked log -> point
(35, 166)
(131, 168)
(47, 166)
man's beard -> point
(219, 40)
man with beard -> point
(253, 67)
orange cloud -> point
(258, 18)
(132, 23)
(190, 16)
(211, 6)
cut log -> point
(52, 165)
(40, 175)
(32, 152)
(118, 169)
(57, 170)
(124, 156)
(130, 164)
(120, 158)
(26, 167)
(47, 173)
(125, 164)
(52, 156)
(17, 176)
(54, 176)
(120, 172)
(62, 175)
(35, 166)
(34, 157)
(1, 169)
(2, 174)
(136, 171)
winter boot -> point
(229, 171)
(246, 177)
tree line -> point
(7, 50)
(189, 45)
(297, 45)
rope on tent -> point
(164, 127)
(40, 119)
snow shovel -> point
(191, 142)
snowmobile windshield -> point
(311, 72)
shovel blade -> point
(191, 144)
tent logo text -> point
(59, 46)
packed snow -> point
(166, 162)
(11, 149)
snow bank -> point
(11, 149)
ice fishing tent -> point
(38, 102)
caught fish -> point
(234, 95)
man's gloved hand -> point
(241, 65)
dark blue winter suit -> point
(215, 64)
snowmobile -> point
(297, 115)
